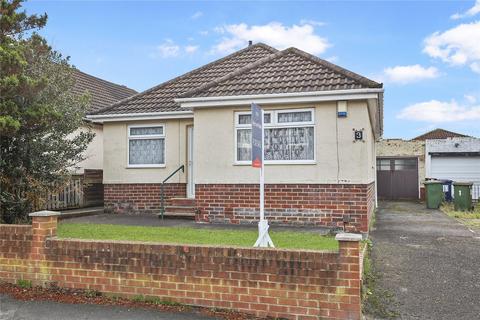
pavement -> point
(154, 221)
(429, 261)
(11, 309)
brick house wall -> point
(291, 284)
(298, 204)
(140, 198)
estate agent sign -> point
(264, 239)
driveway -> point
(429, 261)
(11, 309)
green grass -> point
(25, 284)
(188, 235)
(469, 218)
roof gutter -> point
(101, 118)
(279, 98)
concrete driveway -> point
(429, 261)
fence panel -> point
(68, 196)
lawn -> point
(469, 218)
(189, 235)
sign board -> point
(257, 134)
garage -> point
(462, 167)
(397, 178)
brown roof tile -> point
(257, 69)
(102, 93)
(161, 98)
(290, 70)
(439, 134)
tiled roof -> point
(102, 93)
(439, 134)
(257, 69)
(161, 98)
(287, 71)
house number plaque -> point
(358, 135)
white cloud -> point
(332, 59)
(312, 22)
(236, 36)
(191, 49)
(197, 15)
(435, 111)
(470, 98)
(167, 49)
(457, 46)
(409, 74)
(469, 13)
(203, 33)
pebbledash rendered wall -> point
(263, 282)
(330, 205)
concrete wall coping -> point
(45, 213)
(348, 237)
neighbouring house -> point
(456, 159)
(102, 94)
(85, 187)
(321, 124)
(402, 165)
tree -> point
(39, 115)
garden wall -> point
(263, 282)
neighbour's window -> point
(146, 146)
(289, 136)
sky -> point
(427, 53)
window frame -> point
(274, 124)
(145, 137)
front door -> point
(190, 183)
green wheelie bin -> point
(433, 193)
(462, 199)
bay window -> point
(146, 146)
(289, 136)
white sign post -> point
(264, 239)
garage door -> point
(397, 178)
(463, 169)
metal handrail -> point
(162, 192)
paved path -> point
(429, 261)
(11, 309)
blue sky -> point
(426, 53)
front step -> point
(184, 202)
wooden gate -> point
(397, 178)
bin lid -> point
(463, 183)
(433, 182)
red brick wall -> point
(263, 282)
(298, 204)
(138, 198)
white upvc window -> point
(289, 137)
(146, 146)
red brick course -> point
(264, 282)
(300, 204)
(138, 198)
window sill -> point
(278, 163)
(145, 166)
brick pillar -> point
(44, 226)
(350, 270)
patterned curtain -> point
(280, 144)
(244, 144)
(147, 151)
